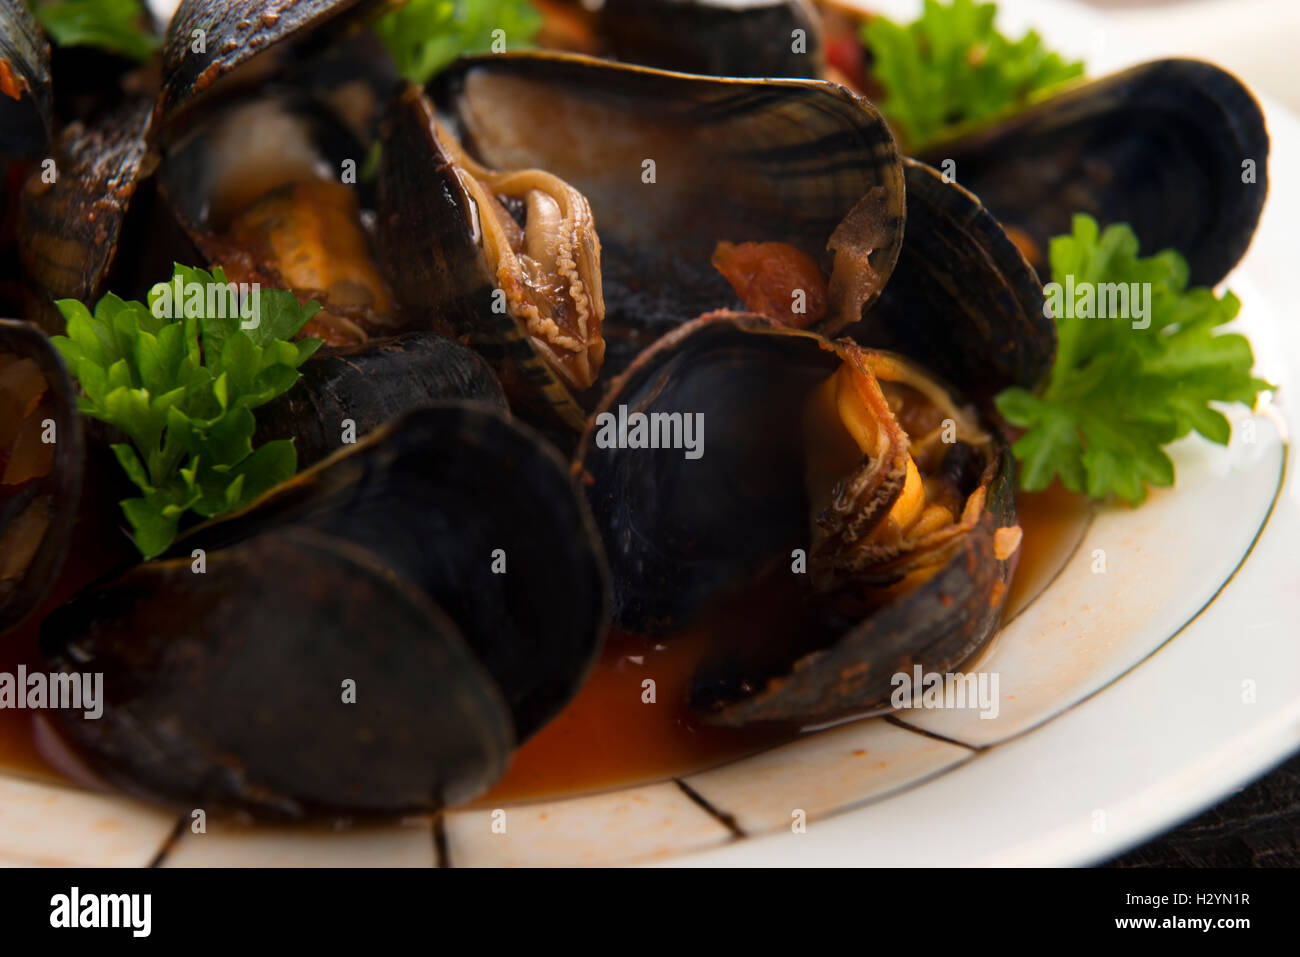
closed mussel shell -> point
(445, 568)
(345, 394)
(1178, 149)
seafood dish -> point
(363, 411)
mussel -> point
(527, 292)
(962, 299)
(373, 637)
(74, 226)
(232, 164)
(671, 165)
(1177, 149)
(345, 394)
(852, 469)
(41, 460)
(258, 188)
(865, 480)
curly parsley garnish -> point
(1121, 389)
(952, 67)
(183, 391)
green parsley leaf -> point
(1128, 382)
(951, 66)
(181, 377)
(119, 26)
(424, 36)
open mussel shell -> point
(941, 625)
(446, 569)
(672, 164)
(26, 97)
(432, 239)
(713, 37)
(41, 461)
(1177, 149)
(686, 532)
(345, 394)
(962, 299)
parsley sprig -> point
(183, 391)
(425, 35)
(1117, 394)
(119, 26)
(951, 66)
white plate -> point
(1130, 699)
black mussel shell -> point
(714, 38)
(679, 531)
(26, 97)
(684, 534)
(369, 386)
(37, 513)
(962, 301)
(672, 164)
(241, 44)
(1163, 146)
(227, 690)
(447, 564)
(99, 219)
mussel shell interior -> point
(678, 531)
(206, 171)
(672, 164)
